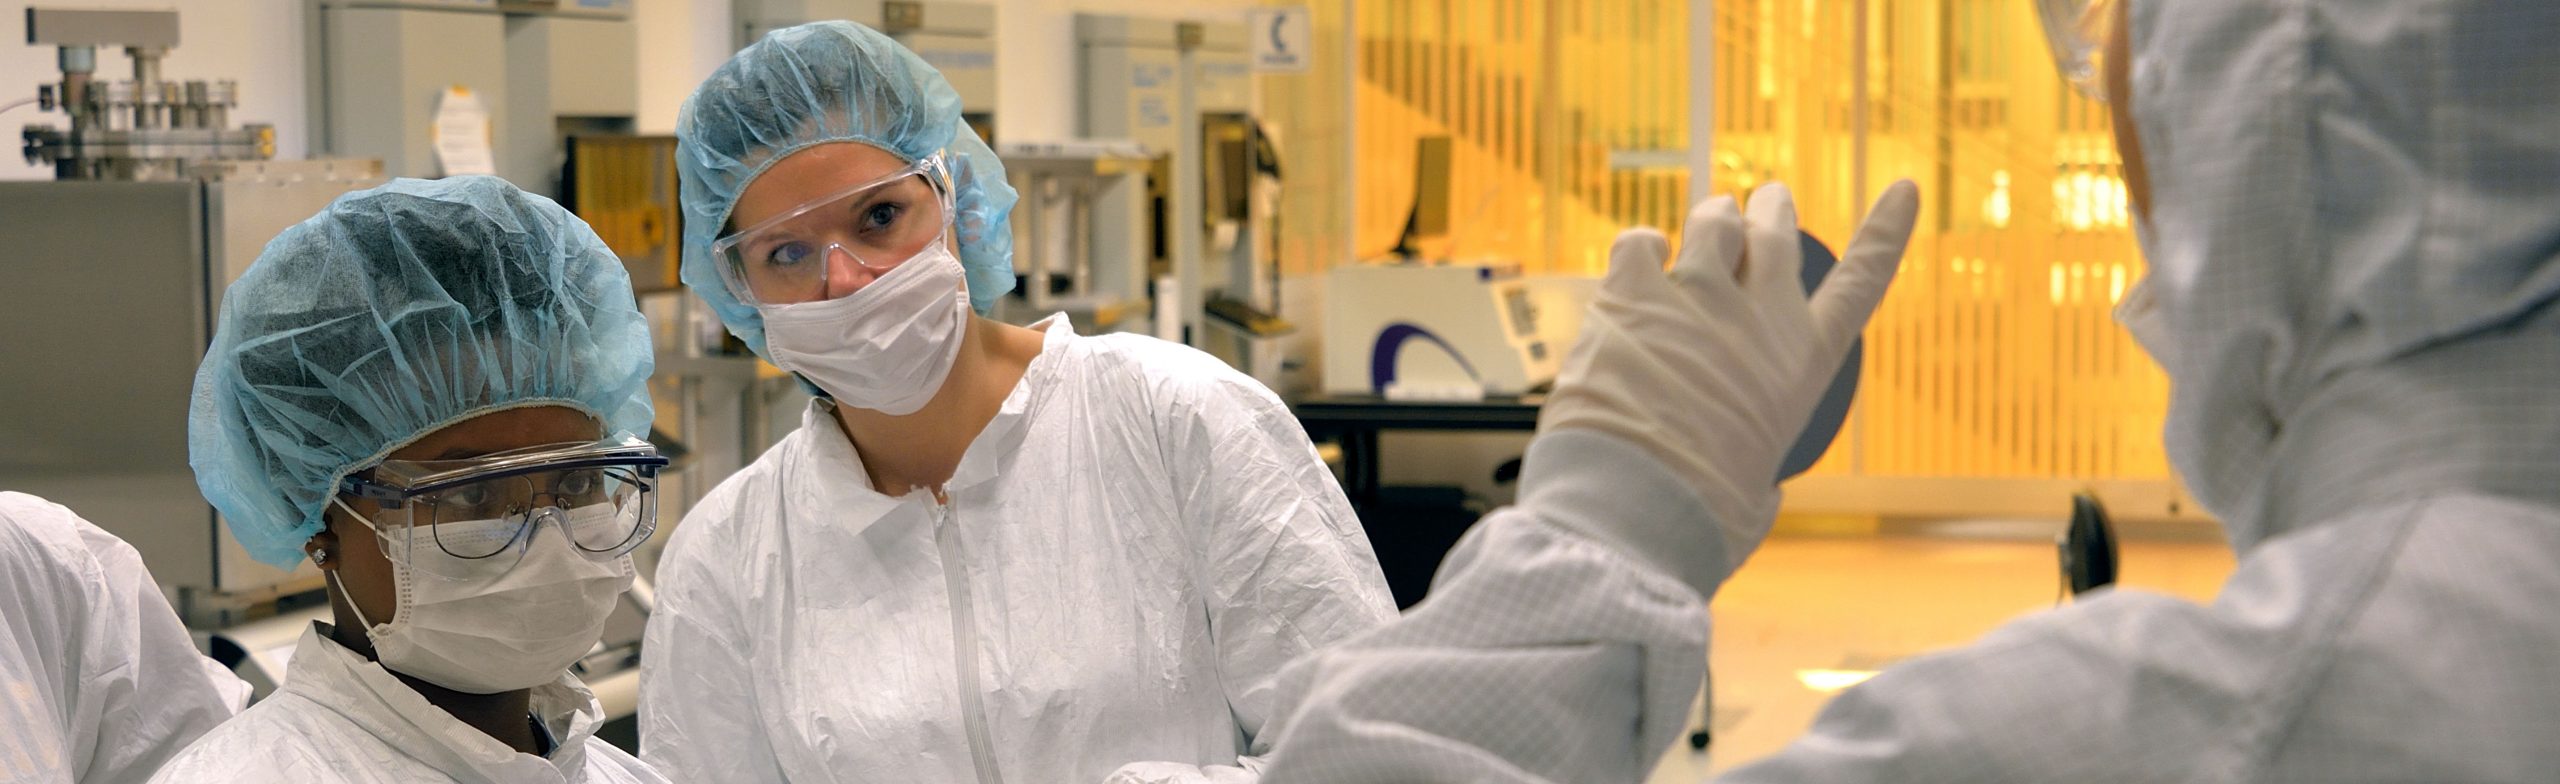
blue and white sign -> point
(1283, 39)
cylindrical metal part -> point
(1028, 221)
(173, 105)
(113, 102)
(146, 64)
(77, 63)
(219, 100)
(1080, 235)
(146, 86)
(75, 100)
(198, 95)
(77, 59)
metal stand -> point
(1099, 293)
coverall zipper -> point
(964, 644)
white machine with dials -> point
(1440, 332)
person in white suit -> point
(2352, 215)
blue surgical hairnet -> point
(831, 82)
(391, 314)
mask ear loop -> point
(332, 575)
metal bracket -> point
(66, 27)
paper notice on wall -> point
(462, 134)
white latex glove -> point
(1712, 370)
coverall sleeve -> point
(1541, 655)
(698, 714)
(1284, 563)
(115, 686)
(151, 694)
(1551, 653)
(2125, 686)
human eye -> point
(471, 502)
(577, 485)
(786, 254)
(882, 216)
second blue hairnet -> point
(394, 312)
(831, 82)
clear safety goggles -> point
(877, 225)
(482, 511)
(2076, 31)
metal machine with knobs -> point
(117, 269)
(142, 129)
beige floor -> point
(1856, 602)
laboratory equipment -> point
(1434, 332)
(572, 70)
(624, 187)
(1060, 184)
(1240, 182)
(1466, 331)
(162, 205)
(1128, 66)
(145, 128)
(438, 87)
(1426, 227)
(1185, 88)
(956, 38)
(98, 383)
(2088, 546)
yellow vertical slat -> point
(1974, 366)
(1971, 380)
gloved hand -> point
(1712, 370)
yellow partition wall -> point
(1995, 381)
(1308, 115)
(1567, 120)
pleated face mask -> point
(887, 347)
(859, 290)
(507, 565)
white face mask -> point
(512, 630)
(887, 347)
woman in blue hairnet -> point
(989, 553)
(430, 391)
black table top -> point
(1371, 411)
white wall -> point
(256, 42)
(681, 42)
